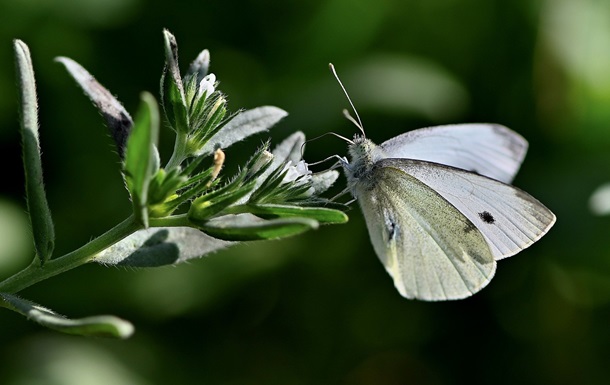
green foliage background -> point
(319, 308)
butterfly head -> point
(363, 154)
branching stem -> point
(35, 273)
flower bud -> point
(261, 162)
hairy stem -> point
(179, 153)
(35, 272)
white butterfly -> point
(438, 206)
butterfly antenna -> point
(351, 119)
(357, 122)
(320, 136)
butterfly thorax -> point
(363, 156)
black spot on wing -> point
(392, 230)
(391, 225)
(487, 217)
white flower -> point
(207, 86)
(299, 171)
(294, 172)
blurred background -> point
(318, 308)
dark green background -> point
(319, 308)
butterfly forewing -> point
(491, 150)
(432, 251)
(509, 218)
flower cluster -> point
(271, 185)
(183, 209)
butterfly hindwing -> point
(432, 251)
(509, 218)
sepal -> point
(245, 227)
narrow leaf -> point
(200, 65)
(164, 185)
(320, 214)
(290, 149)
(160, 246)
(269, 184)
(323, 180)
(213, 203)
(245, 227)
(203, 177)
(243, 125)
(172, 88)
(141, 157)
(96, 326)
(203, 182)
(117, 119)
(40, 214)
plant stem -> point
(236, 209)
(179, 151)
(35, 273)
(180, 220)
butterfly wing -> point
(430, 249)
(509, 218)
(491, 150)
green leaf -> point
(320, 214)
(244, 124)
(202, 178)
(141, 156)
(160, 246)
(245, 227)
(117, 119)
(162, 195)
(38, 208)
(172, 88)
(269, 184)
(96, 326)
(190, 189)
(205, 119)
(192, 166)
(164, 184)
